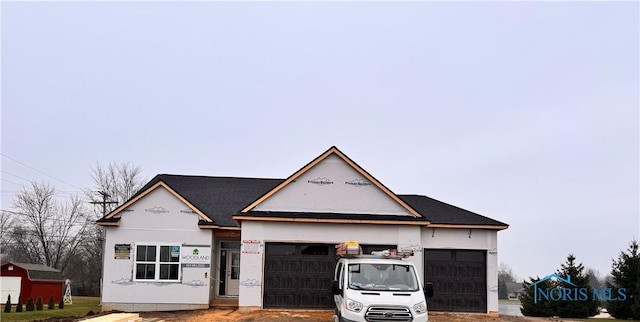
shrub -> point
(61, 303)
(626, 275)
(7, 306)
(19, 306)
(39, 304)
(29, 306)
(52, 303)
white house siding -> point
(252, 264)
(159, 217)
(414, 236)
(474, 239)
(332, 186)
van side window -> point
(340, 277)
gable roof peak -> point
(349, 162)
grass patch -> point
(80, 307)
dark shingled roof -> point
(217, 197)
(438, 212)
(220, 198)
(39, 272)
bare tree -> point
(47, 231)
(119, 181)
(506, 277)
(505, 273)
(6, 225)
(115, 183)
(595, 279)
(85, 269)
(6, 235)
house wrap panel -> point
(158, 218)
(332, 186)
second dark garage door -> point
(459, 279)
(298, 275)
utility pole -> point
(104, 202)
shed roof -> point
(38, 272)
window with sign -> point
(157, 263)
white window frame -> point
(157, 262)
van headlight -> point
(352, 305)
(420, 307)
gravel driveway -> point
(229, 315)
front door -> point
(232, 280)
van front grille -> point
(388, 313)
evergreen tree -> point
(534, 305)
(7, 306)
(52, 304)
(580, 306)
(61, 303)
(19, 306)
(39, 304)
(558, 298)
(30, 306)
(625, 273)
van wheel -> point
(338, 318)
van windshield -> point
(382, 277)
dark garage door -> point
(459, 280)
(298, 275)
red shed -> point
(34, 280)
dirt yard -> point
(229, 315)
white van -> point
(379, 287)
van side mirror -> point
(335, 288)
(428, 289)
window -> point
(383, 277)
(230, 244)
(340, 277)
(157, 263)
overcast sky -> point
(523, 112)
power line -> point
(58, 193)
(78, 220)
(9, 181)
(104, 202)
(15, 175)
(32, 168)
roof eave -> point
(469, 226)
(109, 222)
(212, 225)
(239, 219)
